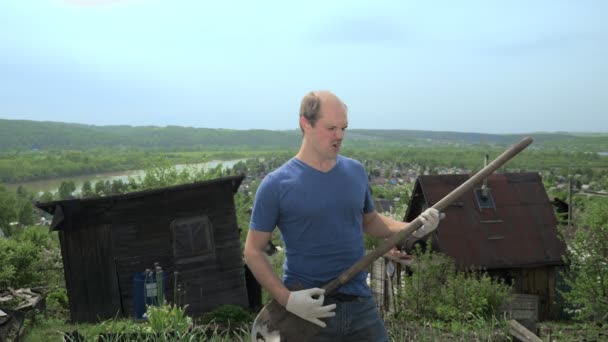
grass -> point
(570, 331)
(51, 329)
(478, 330)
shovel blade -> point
(274, 323)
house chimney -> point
(484, 187)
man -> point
(322, 204)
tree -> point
(8, 211)
(66, 189)
(240, 168)
(87, 189)
(118, 186)
(588, 257)
(26, 214)
(99, 188)
(23, 193)
(47, 196)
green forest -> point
(30, 256)
(39, 150)
(23, 136)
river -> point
(52, 185)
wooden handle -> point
(367, 260)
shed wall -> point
(112, 241)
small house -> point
(506, 225)
(189, 230)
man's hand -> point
(430, 219)
(303, 304)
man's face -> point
(326, 136)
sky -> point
(466, 66)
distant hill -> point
(22, 135)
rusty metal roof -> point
(520, 231)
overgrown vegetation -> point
(30, 258)
(435, 291)
(587, 277)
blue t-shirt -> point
(320, 216)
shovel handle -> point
(368, 259)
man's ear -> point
(304, 124)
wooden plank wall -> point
(222, 281)
(91, 280)
(128, 236)
(208, 281)
(540, 281)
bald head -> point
(314, 102)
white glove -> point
(302, 304)
(430, 220)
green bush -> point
(419, 296)
(587, 276)
(228, 315)
(469, 295)
(57, 302)
(31, 257)
(39, 236)
(8, 211)
(435, 290)
(18, 263)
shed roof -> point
(520, 231)
(96, 205)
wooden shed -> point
(188, 228)
(506, 225)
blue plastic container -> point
(145, 292)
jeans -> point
(356, 320)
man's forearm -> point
(261, 269)
(382, 226)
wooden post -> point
(520, 332)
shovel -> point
(275, 323)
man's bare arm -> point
(381, 226)
(258, 263)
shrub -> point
(435, 290)
(17, 263)
(30, 258)
(8, 210)
(57, 302)
(229, 315)
(587, 277)
(469, 295)
(39, 236)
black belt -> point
(342, 297)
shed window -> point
(486, 201)
(192, 236)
